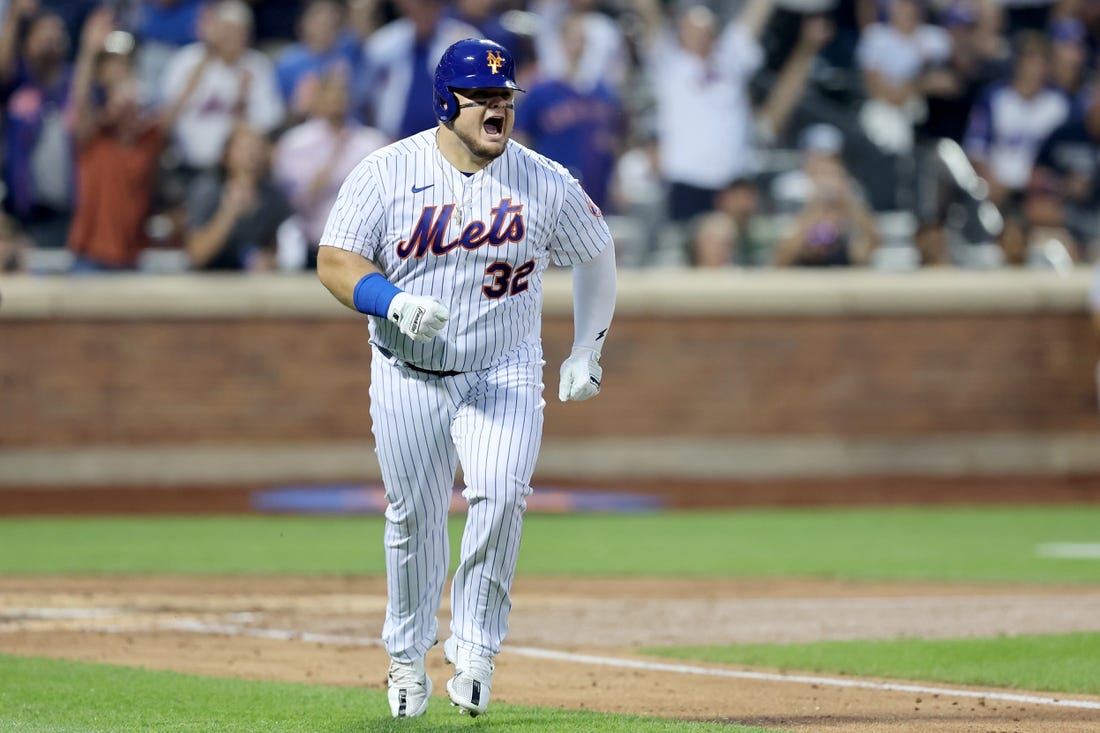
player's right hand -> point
(419, 317)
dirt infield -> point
(571, 643)
(574, 643)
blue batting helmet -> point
(472, 63)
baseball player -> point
(442, 238)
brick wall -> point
(854, 376)
(67, 382)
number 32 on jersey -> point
(507, 280)
(506, 226)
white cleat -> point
(469, 688)
(410, 688)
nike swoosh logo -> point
(418, 189)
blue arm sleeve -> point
(373, 295)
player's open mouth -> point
(493, 126)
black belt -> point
(389, 355)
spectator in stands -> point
(700, 74)
(324, 44)
(978, 57)
(893, 56)
(572, 122)
(951, 86)
(118, 142)
(848, 18)
(72, 13)
(235, 212)
(1007, 124)
(787, 88)
(834, 225)
(990, 40)
(637, 193)
(38, 163)
(821, 145)
(162, 28)
(716, 225)
(605, 58)
(395, 92)
(237, 84)
(726, 233)
(1068, 56)
(730, 235)
(1063, 198)
(484, 15)
(364, 18)
(727, 236)
(17, 15)
(312, 159)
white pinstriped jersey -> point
(480, 243)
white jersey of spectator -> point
(1006, 129)
(604, 58)
(397, 209)
(388, 61)
(900, 57)
(208, 116)
(309, 149)
(704, 114)
(639, 196)
(636, 181)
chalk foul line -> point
(555, 655)
(199, 627)
(1069, 550)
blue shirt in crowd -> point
(578, 129)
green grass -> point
(960, 544)
(49, 696)
(984, 544)
(1055, 662)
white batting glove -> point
(419, 317)
(580, 376)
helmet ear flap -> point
(446, 105)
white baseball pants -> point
(424, 426)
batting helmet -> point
(472, 63)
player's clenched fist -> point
(419, 317)
(580, 376)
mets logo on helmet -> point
(495, 60)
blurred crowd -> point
(214, 134)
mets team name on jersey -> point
(480, 243)
(429, 232)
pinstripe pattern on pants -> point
(489, 421)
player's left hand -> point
(581, 374)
